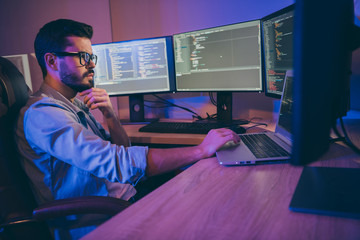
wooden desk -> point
(209, 201)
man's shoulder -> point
(42, 101)
(45, 107)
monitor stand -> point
(137, 113)
(328, 191)
(224, 109)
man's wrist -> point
(110, 115)
(200, 152)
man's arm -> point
(96, 98)
(164, 160)
(158, 160)
(54, 131)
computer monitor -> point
(220, 59)
(324, 38)
(323, 44)
(134, 68)
(277, 35)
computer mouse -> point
(230, 144)
(238, 129)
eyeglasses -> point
(83, 56)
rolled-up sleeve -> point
(51, 129)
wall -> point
(149, 18)
(20, 20)
(116, 20)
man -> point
(65, 152)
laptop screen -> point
(285, 115)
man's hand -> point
(97, 98)
(216, 138)
(164, 160)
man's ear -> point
(51, 61)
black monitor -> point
(324, 38)
(220, 59)
(323, 45)
(277, 35)
(134, 68)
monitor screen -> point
(225, 58)
(277, 32)
(135, 67)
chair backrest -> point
(17, 201)
(14, 91)
(16, 198)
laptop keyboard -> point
(262, 146)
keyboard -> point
(186, 127)
(262, 146)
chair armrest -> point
(81, 205)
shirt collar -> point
(77, 105)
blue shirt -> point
(67, 153)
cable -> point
(195, 115)
(212, 99)
(347, 139)
(339, 139)
(257, 124)
(337, 133)
(155, 106)
(170, 104)
(156, 102)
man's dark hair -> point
(52, 38)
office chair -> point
(20, 216)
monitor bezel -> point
(266, 18)
(223, 90)
(170, 61)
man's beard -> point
(73, 81)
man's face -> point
(72, 73)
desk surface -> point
(210, 201)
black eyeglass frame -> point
(83, 56)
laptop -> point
(275, 146)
